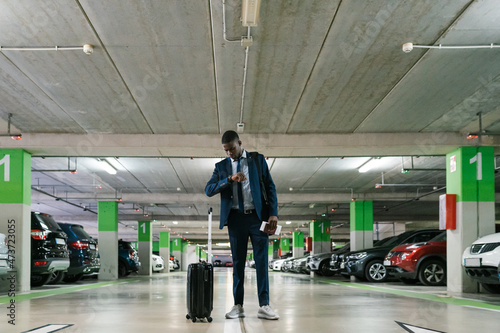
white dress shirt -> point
(245, 185)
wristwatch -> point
(230, 180)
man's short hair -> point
(229, 136)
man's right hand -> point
(238, 177)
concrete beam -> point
(272, 145)
(201, 198)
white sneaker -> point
(236, 312)
(265, 312)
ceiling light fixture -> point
(106, 166)
(87, 48)
(408, 47)
(250, 13)
(370, 164)
(12, 136)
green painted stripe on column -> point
(298, 239)
(164, 239)
(15, 176)
(320, 231)
(361, 215)
(470, 174)
(284, 244)
(107, 215)
(144, 231)
(156, 246)
(177, 244)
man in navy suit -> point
(243, 208)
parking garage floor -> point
(305, 304)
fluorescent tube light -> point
(250, 13)
(107, 167)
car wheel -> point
(491, 288)
(56, 277)
(324, 269)
(122, 270)
(432, 273)
(38, 280)
(72, 277)
(375, 271)
(408, 281)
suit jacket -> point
(219, 184)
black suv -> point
(128, 260)
(83, 253)
(49, 254)
(368, 264)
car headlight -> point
(405, 254)
(358, 256)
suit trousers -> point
(240, 227)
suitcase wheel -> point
(209, 319)
(194, 319)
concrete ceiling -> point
(326, 87)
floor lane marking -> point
(49, 328)
(416, 329)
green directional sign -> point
(15, 176)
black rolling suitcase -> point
(200, 284)
(200, 291)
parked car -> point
(128, 259)
(4, 257)
(320, 263)
(481, 262)
(158, 264)
(277, 264)
(338, 259)
(217, 263)
(424, 262)
(170, 265)
(49, 252)
(176, 262)
(83, 254)
(367, 264)
(287, 264)
(299, 265)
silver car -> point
(4, 265)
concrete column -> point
(107, 215)
(165, 249)
(145, 246)
(361, 225)
(176, 250)
(469, 175)
(320, 233)
(284, 246)
(298, 244)
(188, 255)
(15, 216)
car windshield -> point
(125, 245)
(47, 222)
(440, 237)
(384, 241)
(396, 240)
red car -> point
(424, 262)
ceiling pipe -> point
(60, 170)
(226, 39)
(63, 200)
(87, 48)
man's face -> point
(233, 149)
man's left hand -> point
(273, 222)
